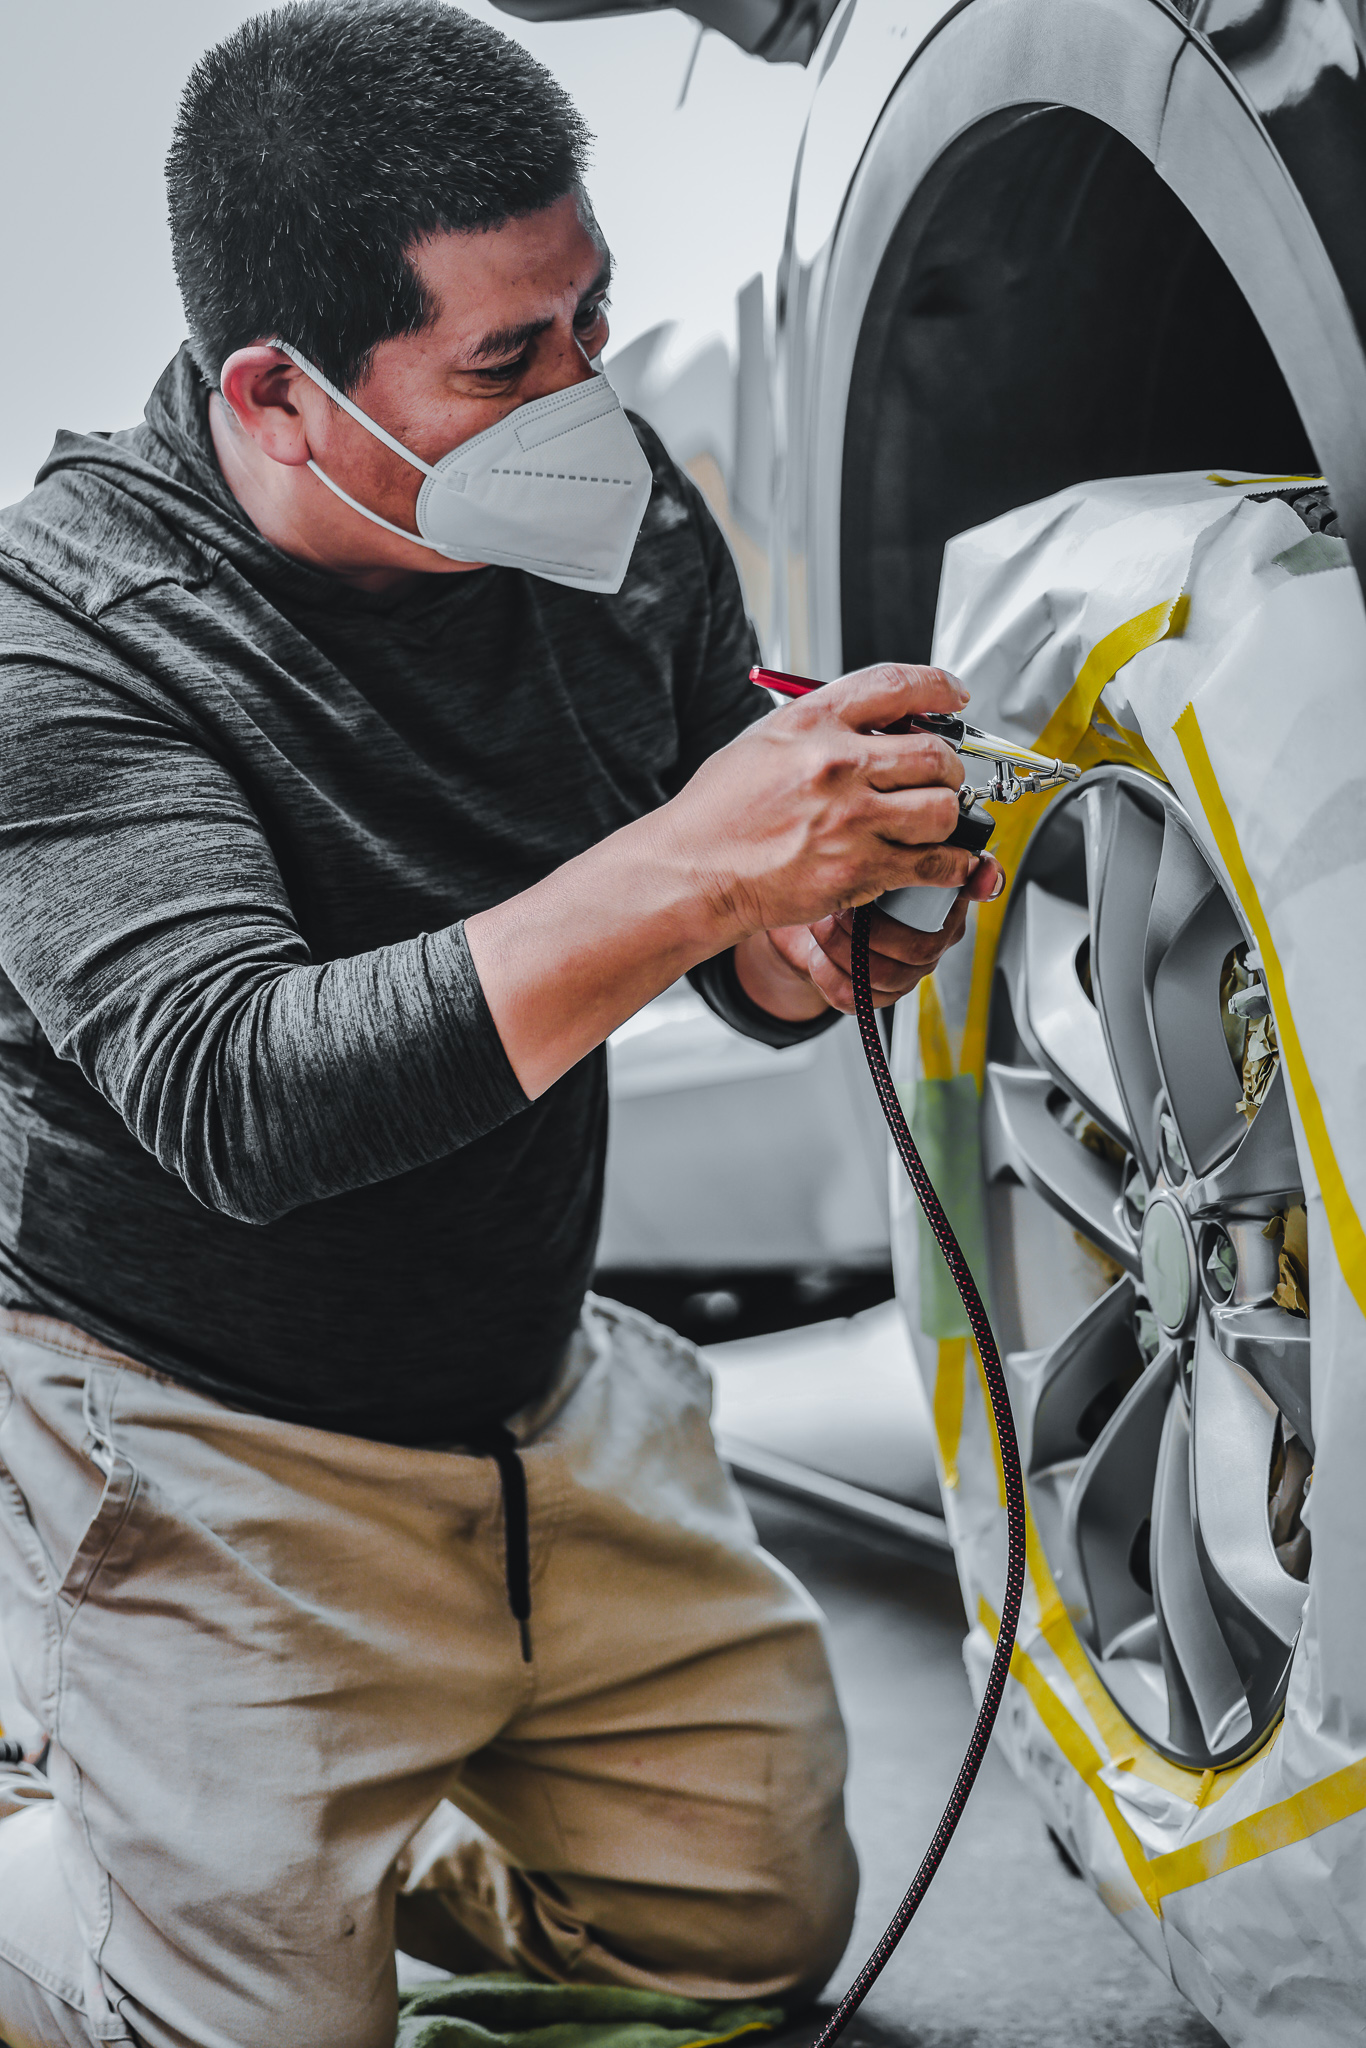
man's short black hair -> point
(318, 142)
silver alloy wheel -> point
(1144, 1294)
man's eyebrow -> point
(509, 341)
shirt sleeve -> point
(718, 984)
(144, 922)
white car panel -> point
(843, 1398)
(724, 1154)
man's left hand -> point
(797, 971)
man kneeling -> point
(375, 738)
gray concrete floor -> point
(1008, 1949)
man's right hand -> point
(818, 808)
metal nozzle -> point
(1019, 770)
(987, 746)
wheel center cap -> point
(1168, 1264)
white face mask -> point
(558, 488)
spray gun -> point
(1019, 772)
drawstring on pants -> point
(500, 1444)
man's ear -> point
(259, 386)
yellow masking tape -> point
(1349, 1240)
(715, 2040)
(936, 1064)
(1103, 664)
(1066, 737)
(949, 1380)
(1214, 478)
(1080, 1753)
(1294, 1819)
(936, 1058)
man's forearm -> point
(568, 960)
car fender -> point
(1268, 157)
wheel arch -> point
(1131, 70)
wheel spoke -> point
(1233, 1426)
(1059, 1015)
(1191, 931)
(1274, 1348)
(1264, 1167)
(1078, 1385)
(1124, 847)
(1207, 1705)
(1109, 1514)
(1022, 1137)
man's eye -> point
(588, 317)
(503, 373)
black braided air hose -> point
(1014, 1489)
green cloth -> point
(1315, 553)
(946, 1126)
(511, 2012)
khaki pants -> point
(282, 1680)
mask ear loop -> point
(362, 419)
(377, 518)
(372, 427)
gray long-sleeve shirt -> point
(257, 1127)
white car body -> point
(1032, 243)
